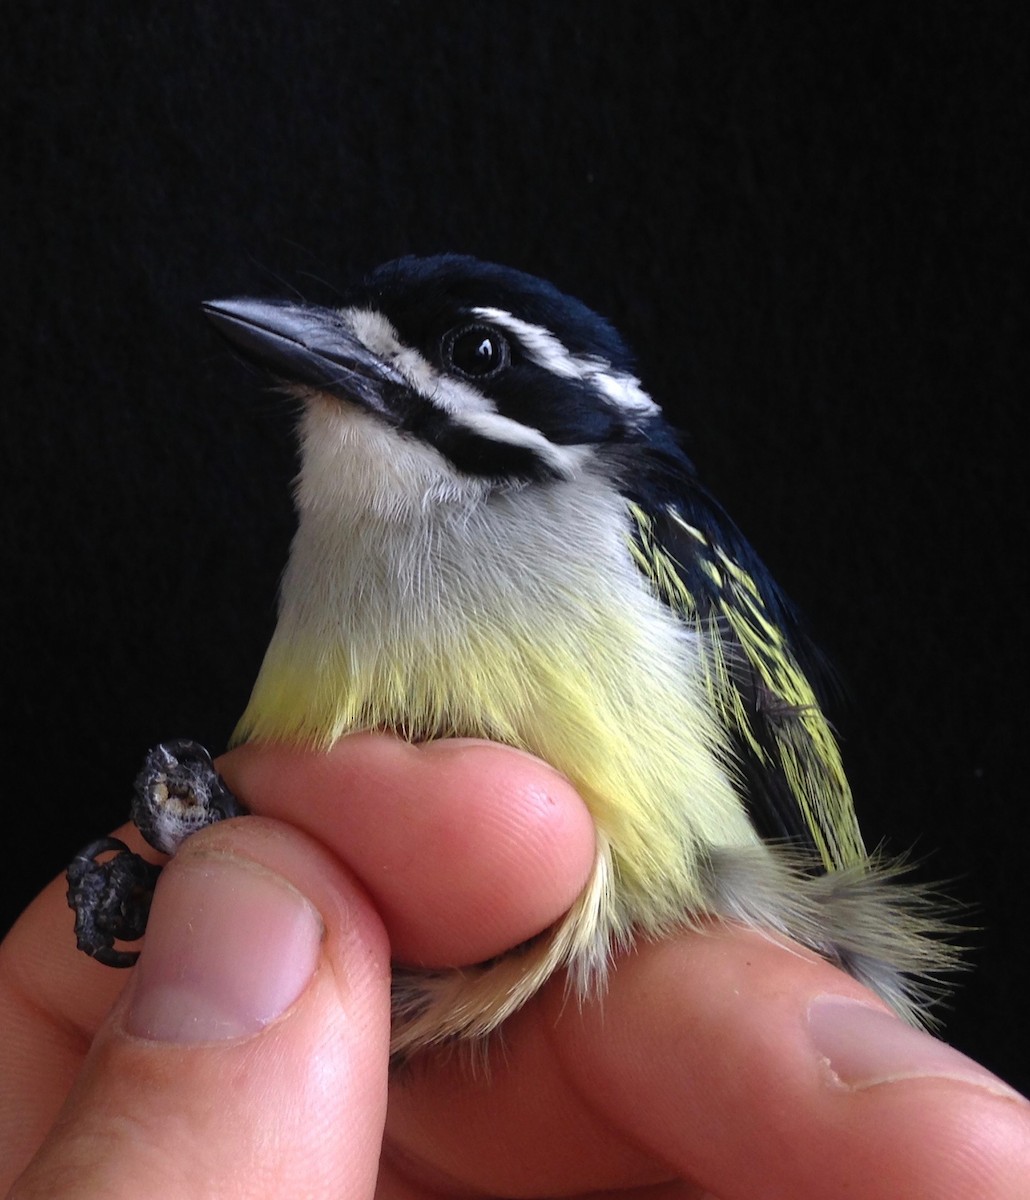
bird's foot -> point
(177, 792)
(111, 899)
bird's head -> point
(444, 379)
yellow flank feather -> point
(435, 620)
(610, 692)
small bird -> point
(500, 536)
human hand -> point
(266, 1073)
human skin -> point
(247, 1054)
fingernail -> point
(865, 1047)
(230, 946)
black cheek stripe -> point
(470, 452)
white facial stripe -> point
(565, 460)
(625, 391)
(548, 352)
(465, 405)
(477, 413)
(378, 335)
(373, 330)
(449, 395)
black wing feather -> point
(760, 677)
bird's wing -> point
(789, 762)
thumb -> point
(248, 1055)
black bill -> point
(305, 344)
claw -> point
(111, 899)
(177, 792)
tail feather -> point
(896, 937)
(430, 1007)
(885, 932)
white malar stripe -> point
(566, 461)
(548, 352)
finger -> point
(702, 1063)
(52, 1000)
(467, 848)
(763, 1071)
(248, 1055)
(462, 814)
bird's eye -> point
(476, 351)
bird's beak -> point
(302, 343)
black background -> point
(810, 220)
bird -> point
(500, 535)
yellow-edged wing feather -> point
(790, 761)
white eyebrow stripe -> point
(548, 352)
(540, 344)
